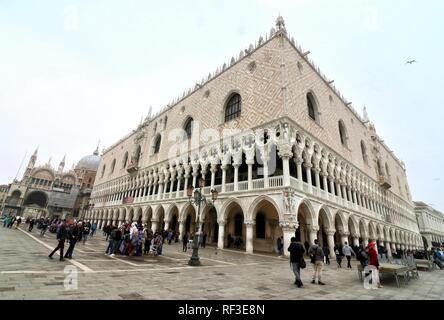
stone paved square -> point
(27, 273)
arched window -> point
(137, 155)
(342, 133)
(188, 128)
(312, 106)
(238, 224)
(387, 171)
(113, 165)
(233, 107)
(260, 226)
(103, 170)
(364, 152)
(157, 144)
(125, 160)
(379, 167)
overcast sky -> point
(76, 72)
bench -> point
(424, 264)
(393, 269)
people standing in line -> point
(280, 246)
(31, 225)
(317, 258)
(296, 256)
(347, 251)
(73, 237)
(185, 242)
(61, 237)
(374, 264)
(326, 250)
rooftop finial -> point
(280, 24)
(96, 152)
(365, 115)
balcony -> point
(384, 182)
(132, 167)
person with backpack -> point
(62, 234)
(111, 241)
(362, 256)
(297, 261)
(317, 259)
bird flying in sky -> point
(411, 62)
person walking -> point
(19, 220)
(326, 250)
(6, 221)
(111, 241)
(185, 242)
(44, 227)
(348, 252)
(73, 237)
(296, 260)
(374, 264)
(338, 257)
(31, 225)
(204, 239)
(61, 237)
(86, 230)
(280, 246)
(317, 259)
(93, 229)
(362, 256)
(170, 236)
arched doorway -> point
(210, 225)
(235, 228)
(305, 219)
(324, 225)
(266, 228)
(38, 198)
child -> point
(338, 258)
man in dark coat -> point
(61, 237)
(73, 237)
(296, 255)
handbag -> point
(302, 264)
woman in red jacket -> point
(374, 263)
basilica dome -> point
(90, 162)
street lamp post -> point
(196, 197)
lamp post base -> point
(194, 261)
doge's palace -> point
(287, 153)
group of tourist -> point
(367, 257)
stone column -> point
(308, 173)
(185, 185)
(159, 194)
(224, 176)
(220, 236)
(344, 236)
(286, 170)
(354, 196)
(324, 178)
(313, 232)
(179, 177)
(181, 229)
(154, 225)
(317, 178)
(349, 194)
(172, 179)
(389, 250)
(332, 186)
(288, 232)
(331, 242)
(249, 241)
(236, 176)
(265, 159)
(213, 170)
(355, 239)
(299, 162)
(250, 175)
(338, 186)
